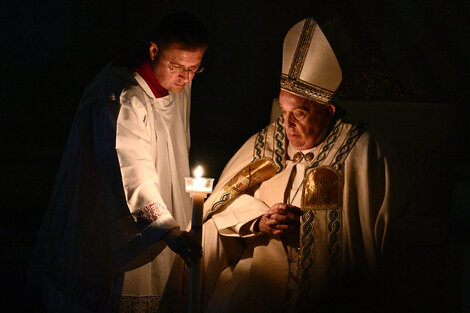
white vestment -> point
(349, 230)
(120, 188)
(152, 145)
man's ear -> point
(331, 109)
(153, 51)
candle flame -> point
(198, 172)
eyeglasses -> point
(180, 68)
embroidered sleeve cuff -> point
(149, 213)
(154, 220)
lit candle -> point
(198, 184)
(198, 188)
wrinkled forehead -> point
(291, 101)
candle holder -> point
(198, 187)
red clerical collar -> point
(145, 70)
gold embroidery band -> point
(322, 189)
(306, 90)
(302, 48)
(251, 175)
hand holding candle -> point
(184, 244)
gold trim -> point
(306, 90)
(302, 48)
(251, 175)
(322, 189)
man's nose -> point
(185, 75)
(288, 121)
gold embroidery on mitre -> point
(302, 48)
(287, 82)
(293, 68)
(322, 189)
(306, 90)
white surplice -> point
(152, 145)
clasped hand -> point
(280, 219)
(182, 243)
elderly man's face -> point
(183, 64)
(305, 120)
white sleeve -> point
(237, 217)
(378, 195)
(139, 176)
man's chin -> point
(176, 89)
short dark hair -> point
(182, 28)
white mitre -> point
(309, 66)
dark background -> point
(396, 52)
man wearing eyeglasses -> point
(112, 229)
